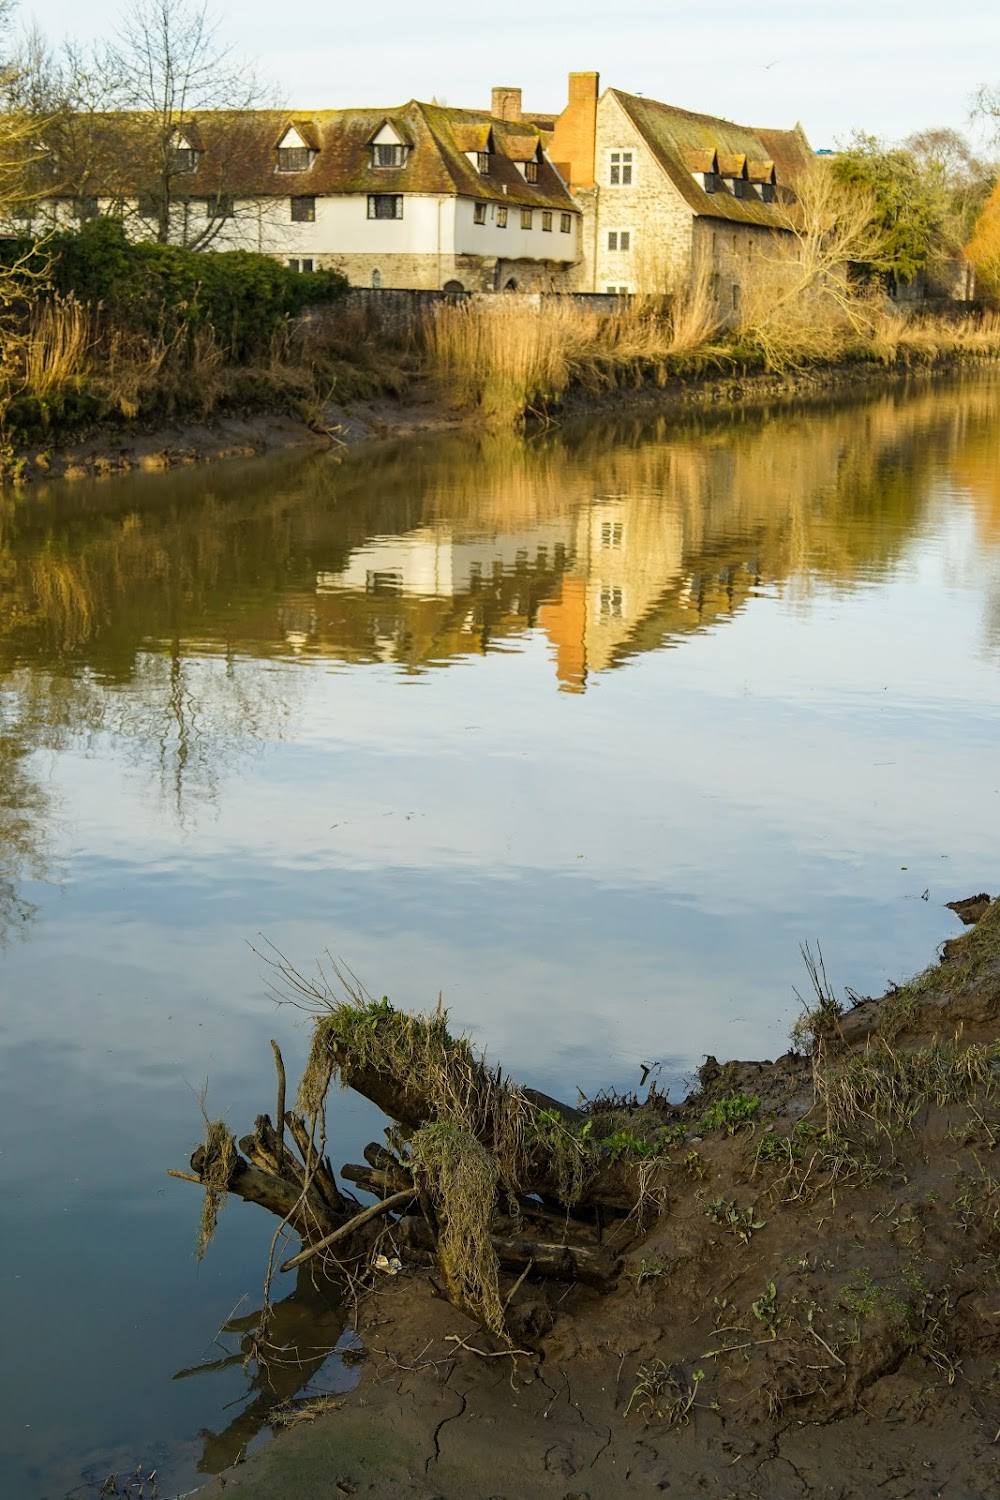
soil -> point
(815, 1313)
(116, 448)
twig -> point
(517, 1286)
(279, 1064)
(453, 1338)
(826, 1346)
(185, 1176)
(395, 1200)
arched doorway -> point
(376, 279)
(453, 286)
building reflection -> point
(154, 608)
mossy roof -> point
(237, 155)
(681, 141)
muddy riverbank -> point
(124, 448)
(816, 1311)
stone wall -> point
(649, 210)
(395, 311)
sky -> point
(888, 69)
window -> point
(546, 219)
(617, 291)
(502, 217)
(483, 163)
(611, 534)
(183, 159)
(388, 155)
(531, 171)
(304, 210)
(294, 158)
(385, 205)
(736, 295)
(611, 603)
(86, 208)
(220, 206)
(711, 181)
(740, 186)
(383, 581)
(566, 223)
(376, 278)
(307, 265)
(148, 206)
(767, 192)
(619, 239)
(295, 265)
(479, 213)
(527, 218)
(621, 169)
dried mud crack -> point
(792, 1279)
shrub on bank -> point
(244, 297)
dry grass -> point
(217, 1168)
(886, 1087)
(58, 346)
(461, 1177)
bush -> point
(244, 297)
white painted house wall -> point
(513, 242)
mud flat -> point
(801, 1298)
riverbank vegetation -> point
(690, 1225)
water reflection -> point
(304, 1330)
(224, 712)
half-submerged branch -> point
(469, 1148)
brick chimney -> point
(506, 104)
(574, 140)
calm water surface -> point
(587, 733)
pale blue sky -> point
(890, 69)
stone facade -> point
(646, 215)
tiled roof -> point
(678, 138)
(237, 155)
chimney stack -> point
(506, 104)
(574, 141)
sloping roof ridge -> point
(677, 109)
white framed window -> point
(620, 169)
(502, 216)
(566, 223)
(547, 219)
(619, 239)
(531, 171)
(385, 205)
(303, 210)
(617, 291)
(479, 213)
(483, 163)
(527, 218)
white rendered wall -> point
(513, 242)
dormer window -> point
(767, 192)
(710, 182)
(183, 156)
(294, 153)
(294, 158)
(483, 163)
(388, 154)
(531, 171)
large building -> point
(418, 196)
(615, 193)
(663, 189)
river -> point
(586, 733)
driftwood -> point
(285, 1170)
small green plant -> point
(731, 1113)
(765, 1309)
(648, 1270)
(662, 1392)
(692, 1164)
(742, 1222)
